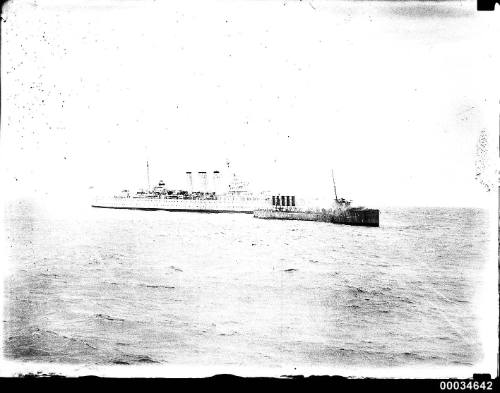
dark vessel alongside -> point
(283, 207)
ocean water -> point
(132, 287)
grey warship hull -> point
(221, 205)
(176, 210)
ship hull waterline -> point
(178, 210)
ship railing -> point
(315, 210)
(283, 208)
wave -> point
(156, 286)
(109, 318)
(128, 359)
(43, 343)
(175, 268)
(49, 275)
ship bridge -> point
(238, 186)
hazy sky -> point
(393, 96)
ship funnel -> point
(189, 176)
(216, 180)
(203, 181)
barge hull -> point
(358, 217)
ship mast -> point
(147, 169)
(334, 187)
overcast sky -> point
(391, 96)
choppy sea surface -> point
(133, 287)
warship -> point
(285, 207)
(199, 198)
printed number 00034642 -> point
(466, 385)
